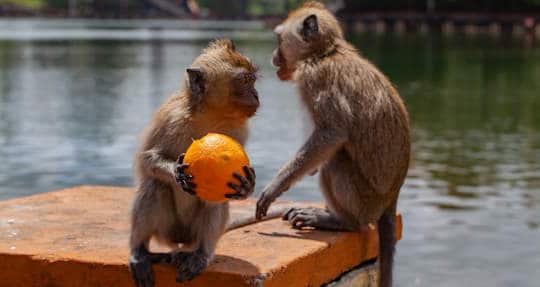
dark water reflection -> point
(70, 112)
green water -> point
(72, 102)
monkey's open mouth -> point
(277, 58)
(284, 72)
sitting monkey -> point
(218, 96)
(360, 142)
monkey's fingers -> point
(250, 173)
(287, 213)
(181, 167)
(185, 177)
(181, 158)
(262, 206)
(244, 182)
(188, 187)
(240, 192)
(299, 220)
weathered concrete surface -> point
(78, 237)
(364, 276)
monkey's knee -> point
(189, 264)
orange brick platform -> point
(79, 237)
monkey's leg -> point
(209, 224)
(152, 210)
(140, 265)
(315, 217)
(352, 198)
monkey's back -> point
(345, 91)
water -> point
(71, 108)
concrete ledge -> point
(78, 237)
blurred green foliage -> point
(257, 8)
(243, 8)
(32, 4)
(445, 5)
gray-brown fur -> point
(360, 142)
(212, 100)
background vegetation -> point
(258, 8)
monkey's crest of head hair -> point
(221, 44)
(221, 55)
(313, 4)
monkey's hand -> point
(185, 180)
(246, 187)
(268, 196)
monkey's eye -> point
(247, 79)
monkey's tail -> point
(386, 226)
(248, 220)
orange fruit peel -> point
(212, 161)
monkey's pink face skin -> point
(245, 94)
(284, 71)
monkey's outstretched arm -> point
(320, 146)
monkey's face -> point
(224, 80)
(287, 53)
(243, 93)
(308, 31)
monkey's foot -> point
(314, 217)
(141, 271)
(189, 264)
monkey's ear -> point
(233, 46)
(196, 82)
(310, 28)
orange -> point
(212, 161)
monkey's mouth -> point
(284, 73)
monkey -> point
(219, 96)
(360, 141)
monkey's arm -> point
(158, 166)
(320, 146)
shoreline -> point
(45, 29)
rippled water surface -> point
(71, 109)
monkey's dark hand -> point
(246, 187)
(185, 180)
(268, 196)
